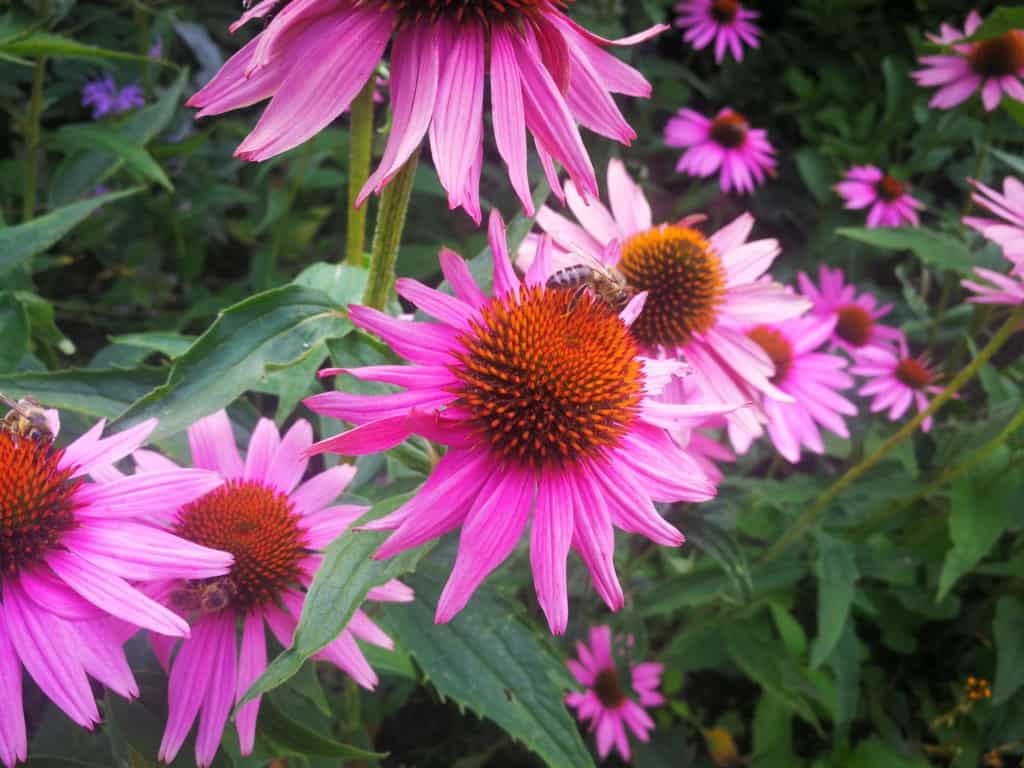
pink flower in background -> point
(725, 22)
(702, 292)
(1009, 207)
(896, 380)
(547, 75)
(276, 526)
(890, 203)
(994, 66)
(814, 379)
(614, 698)
(856, 315)
(69, 546)
(548, 411)
(725, 144)
(997, 288)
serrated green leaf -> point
(836, 569)
(339, 587)
(14, 331)
(933, 248)
(273, 329)
(96, 393)
(488, 660)
(135, 157)
(292, 739)
(1008, 629)
(23, 241)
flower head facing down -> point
(276, 527)
(856, 315)
(547, 411)
(75, 541)
(724, 144)
(1008, 230)
(897, 380)
(547, 77)
(994, 66)
(888, 199)
(105, 98)
(613, 699)
(726, 23)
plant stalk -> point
(359, 151)
(387, 236)
(32, 134)
(806, 520)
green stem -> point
(387, 236)
(806, 520)
(359, 151)
(32, 132)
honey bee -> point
(204, 595)
(25, 419)
(605, 283)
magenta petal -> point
(90, 451)
(220, 689)
(212, 441)
(13, 741)
(263, 445)
(190, 675)
(550, 539)
(508, 113)
(103, 656)
(252, 662)
(146, 494)
(594, 538)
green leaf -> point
(488, 660)
(836, 569)
(291, 739)
(274, 329)
(44, 761)
(22, 242)
(1015, 162)
(14, 331)
(339, 587)
(166, 343)
(999, 22)
(933, 248)
(845, 663)
(96, 393)
(773, 734)
(1009, 631)
(135, 157)
(36, 44)
(874, 753)
(344, 283)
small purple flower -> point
(105, 98)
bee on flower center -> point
(25, 419)
(603, 282)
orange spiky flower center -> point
(485, 12)
(724, 11)
(608, 689)
(915, 373)
(855, 325)
(777, 347)
(549, 377)
(999, 56)
(37, 500)
(729, 130)
(260, 527)
(685, 281)
(890, 188)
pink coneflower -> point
(546, 407)
(812, 378)
(856, 315)
(1009, 206)
(897, 380)
(997, 288)
(725, 144)
(547, 76)
(68, 548)
(702, 292)
(614, 698)
(726, 22)
(995, 66)
(890, 202)
(276, 527)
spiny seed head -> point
(889, 188)
(729, 130)
(777, 347)
(685, 281)
(915, 373)
(608, 689)
(486, 12)
(724, 11)
(259, 526)
(37, 501)
(999, 56)
(854, 325)
(548, 377)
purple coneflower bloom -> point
(856, 315)
(724, 144)
(725, 22)
(890, 203)
(896, 380)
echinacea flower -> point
(72, 550)
(856, 315)
(724, 144)
(811, 377)
(702, 291)
(897, 380)
(105, 98)
(547, 409)
(725, 22)
(276, 526)
(1008, 206)
(994, 66)
(615, 697)
(867, 186)
(548, 75)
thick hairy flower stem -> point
(32, 132)
(806, 520)
(387, 236)
(359, 151)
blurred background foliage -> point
(132, 284)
